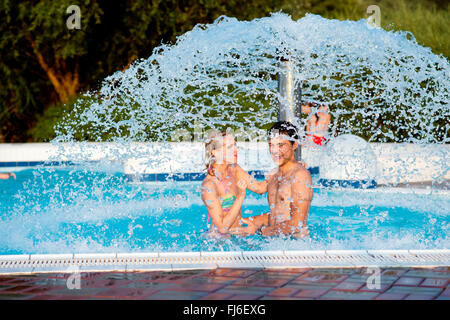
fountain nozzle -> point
(289, 106)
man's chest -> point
(279, 190)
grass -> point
(427, 20)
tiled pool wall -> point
(396, 163)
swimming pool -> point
(76, 210)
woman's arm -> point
(254, 185)
(211, 199)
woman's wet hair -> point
(314, 104)
(212, 142)
(286, 128)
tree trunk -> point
(64, 81)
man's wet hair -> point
(284, 127)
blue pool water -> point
(77, 210)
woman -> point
(317, 123)
(225, 184)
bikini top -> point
(227, 202)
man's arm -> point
(302, 193)
(258, 221)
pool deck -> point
(234, 284)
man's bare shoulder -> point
(300, 173)
(272, 175)
(302, 184)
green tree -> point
(41, 57)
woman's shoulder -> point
(209, 182)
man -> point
(317, 123)
(289, 188)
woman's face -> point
(227, 152)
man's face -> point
(281, 149)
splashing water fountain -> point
(385, 94)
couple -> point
(288, 187)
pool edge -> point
(176, 261)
